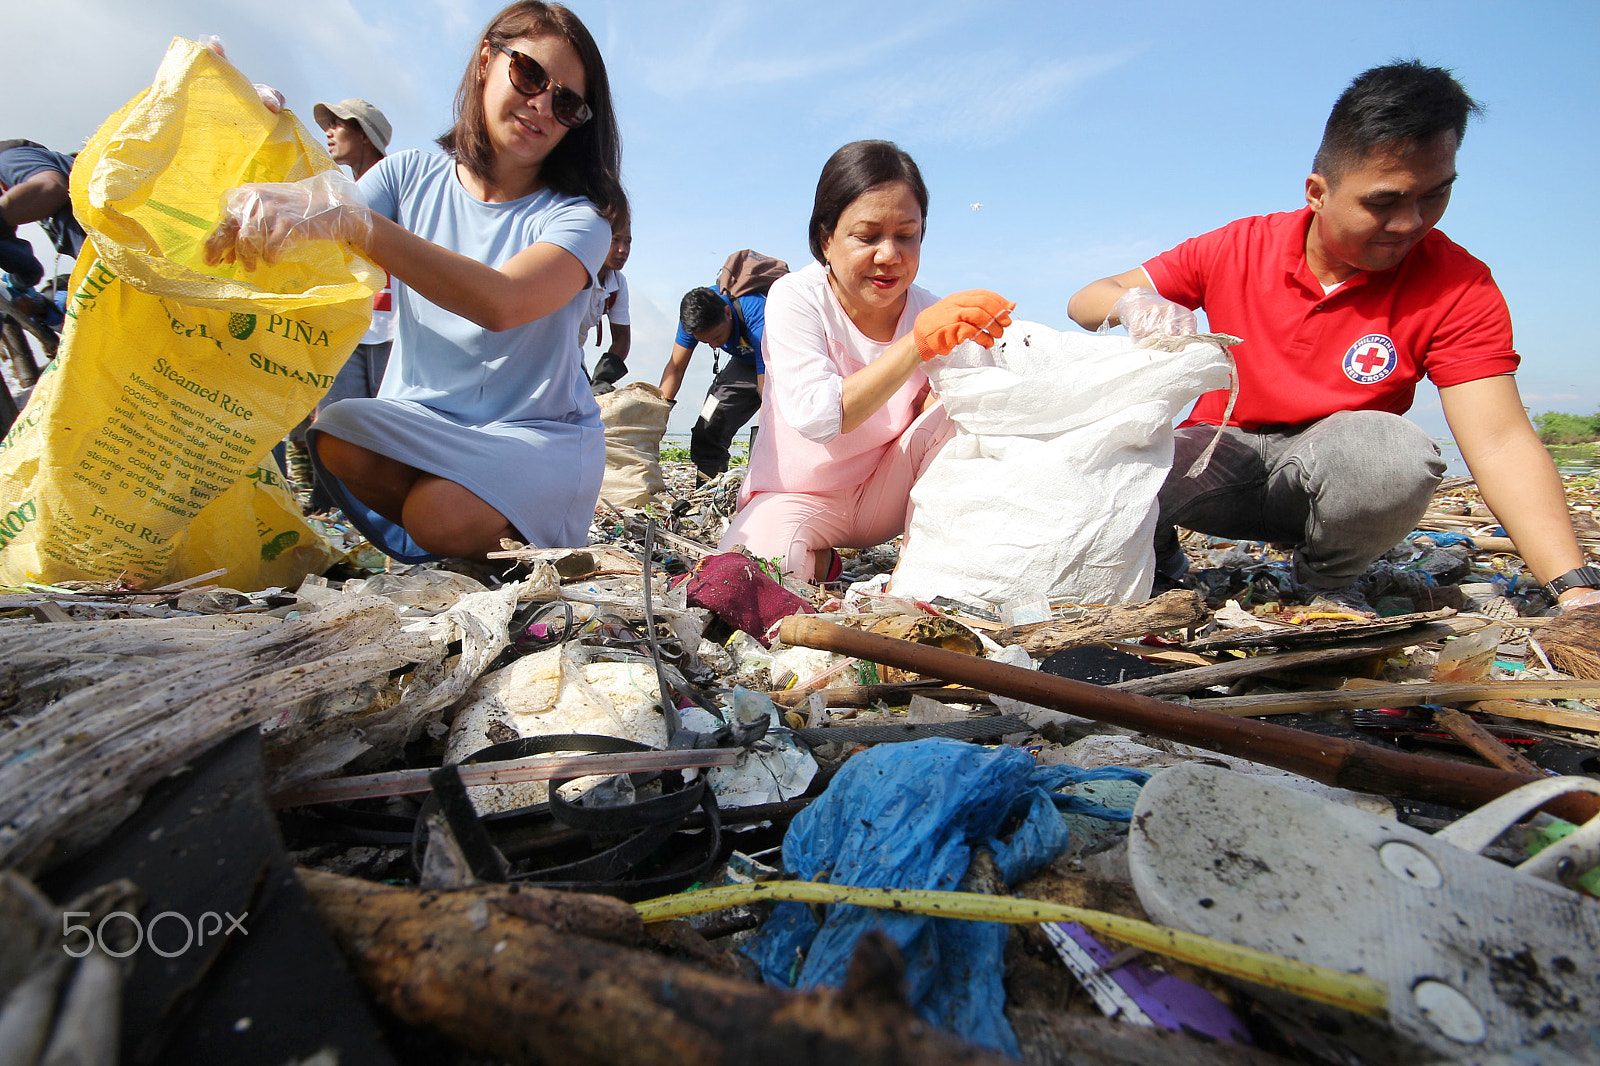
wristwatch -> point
(1584, 577)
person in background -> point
(849, 420)
(358, 133)
(484, 427)
(610, 302)
(734, 326)
(34, 187)
(1344, 305)
(358, 136)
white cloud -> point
(739, 46)
(84, 59)
(990, 99)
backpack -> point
(746, 272)
(749, 273)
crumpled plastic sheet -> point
(779, 767)
(368, 724)
(910, 816)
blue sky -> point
(1092, 136)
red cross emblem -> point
(1370, 359)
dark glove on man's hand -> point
(608, 369)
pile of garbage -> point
(590, 804)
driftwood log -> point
(1171, 610)
(1058, 1038)
(69, 772)
(537, 976)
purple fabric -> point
(739, 592)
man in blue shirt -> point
(706, 316)
(33, 188)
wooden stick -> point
(1562, 717)
(190, 582)
(1482, 741)
(49, 611)
(1206, 676)
(1170, 610)
(1349, 699)
(1331, 760)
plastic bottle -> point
(1468, 658)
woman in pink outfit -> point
(848, 421)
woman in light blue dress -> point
(485, 426)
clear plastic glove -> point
(1147, 313)
(1583, 599)
(260, 222)
(271, 99)
(975, 315)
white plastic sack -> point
(1049, 486)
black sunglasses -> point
(530, 79)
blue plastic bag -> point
(909, 816)
(1442, 539)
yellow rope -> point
(1348, 991)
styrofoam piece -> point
(1476, 957)
(804, 663)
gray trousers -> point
(1342, 490)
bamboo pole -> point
(1354, 698)
(1331, 760)
(1564, 717)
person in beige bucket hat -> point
(358, 136)
(358, 133)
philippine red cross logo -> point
(1370, 359)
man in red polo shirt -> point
(1344, 306)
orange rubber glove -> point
(975, 315)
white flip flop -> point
(1478, 957)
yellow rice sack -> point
(144, 452)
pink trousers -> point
(797, 525)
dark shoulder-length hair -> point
(851, 171)
(588, 161)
